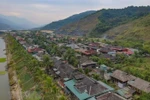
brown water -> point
(4, 81)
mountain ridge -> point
(15, 23)
(97, 23)
(76, 17)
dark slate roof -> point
(105, 50)
(88, 63)
(109, 96)
(84, 59)
(122, 76)
(64, 68)
(140, 84)
(86, 84)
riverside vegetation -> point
(35, 84)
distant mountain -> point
(12, 22)
(58, 24)
(96, 24)
(4, 27)
(7, 25)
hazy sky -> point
(46, 11)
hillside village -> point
(83, 69)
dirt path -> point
(17, 93)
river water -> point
(4, 81)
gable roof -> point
(88, 63)
(65, 70)
(140, 84)
(73, 46)
(83, 86)
(122, 76)
(105, 50)
(109, 96)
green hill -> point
(71, 19)
(83, 26)
(138, 29)
(133, 34)
(103, 20)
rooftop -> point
(126, 92)
(73, 46)
(109, 96)
(64, 68)
(122, 76)
(70, 85)
(140, 84)
(84, 87)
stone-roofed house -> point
(88, 63)
(140, 85)
(105, 50)
(121, 78)
(83, 87)
(94, 46)
(73, 46)
(64, 70)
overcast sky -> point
(46, 11)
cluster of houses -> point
(33, 49)
(82, 87)
(101, 49)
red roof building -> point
(89, 52)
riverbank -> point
(35, 83)
(15, 89)
(4, 80)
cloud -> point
(46, 11)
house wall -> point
(119, 83)
(137, 90)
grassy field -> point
(2, 60)
(33, 96)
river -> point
(4, 80)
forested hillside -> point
(81, 27)
(133, 34)
(60, 23)
(114, 17)
(138, 30)
(103, 20)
